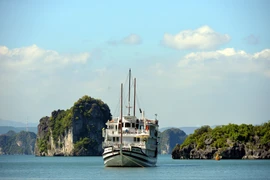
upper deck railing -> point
(116, 145)
(127, 132)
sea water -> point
(31, 167)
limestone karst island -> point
(75, 131)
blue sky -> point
(197, 62)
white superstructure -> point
(130, 141)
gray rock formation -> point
(237, 151)
(74, 132)
(169, 138)
(231, 141)
(17, 143)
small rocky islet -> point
(228, 141)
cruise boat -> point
(130, 141)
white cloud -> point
(209, 67)
(35, 81)
(264, 54)
(201, 38)
(227, 61)
(132, 39)
(34, 58)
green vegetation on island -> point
(17, 143)
(245, 141)
(83, 122)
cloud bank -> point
(203, 38)
(227, 61)
(35, 58)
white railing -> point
(128, 132)
(125, 144)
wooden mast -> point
(129, 92)
(121, 115)
(134, 108)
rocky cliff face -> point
(74, 132)
(238, 151)
(230, 141)
(169, 138)
(17, 143)
(45, 143)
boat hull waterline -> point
(127, 159)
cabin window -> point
(127, 124)
(136, 139)
(133, 125)
(117, 139)
(113, 139)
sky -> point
(196, 62)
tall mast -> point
(129, 92)
(134, 109)
(121, 113)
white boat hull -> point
(128, 159)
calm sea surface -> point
(31, 167)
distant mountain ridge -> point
(16, 123)
(187, 130)
(17, 143)
(5, 129)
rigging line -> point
(125, 95)
(138, 96)
(125, 102)
(137, 100)
(117, 108)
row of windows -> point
(124, 125)
(129, 125)
(116, 139)
(136, 139)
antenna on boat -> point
(134, 109)
(129, 92)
